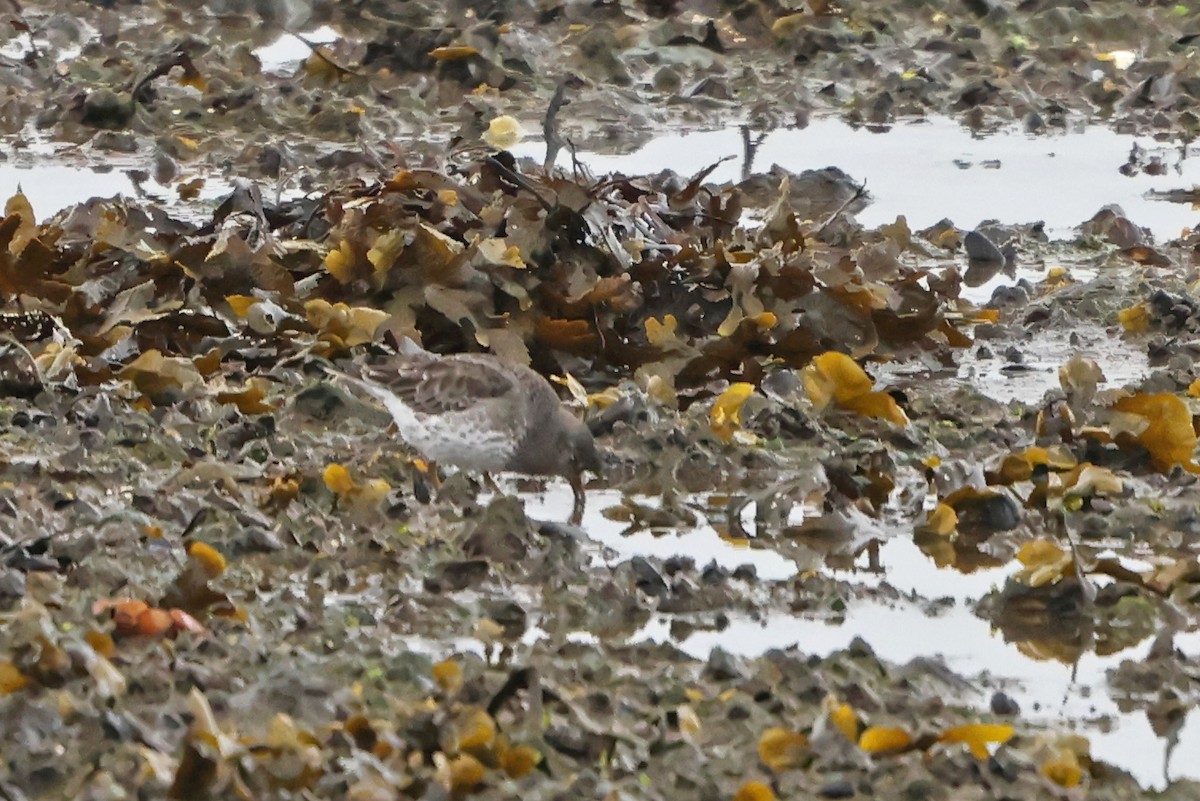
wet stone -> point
(724, 666)
(679, 602)
(118, 726)
(922, 790)
(256, 539)
(1003, 704)
(839, 788)
(1005, 296)
(496, 544)
(510, 615)
(1039, 314)
(681, 629)
(990, 331)
(320, 401)
(647, 578)
(860, 648)
(12, 584)
(980, 248)
(996, 513)
(457, 575)
(1003, 767)
(714, 574)
(748, 573)
(679, 564)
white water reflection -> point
(51, 188)
(287, 52)
(926, 171)
(1124, 362)
(1061, 697)
(702, 543)
(934, 169)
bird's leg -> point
(491, 484)
(576, 481)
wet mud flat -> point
(901, 494)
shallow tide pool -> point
(1062, 697)
(934, 169)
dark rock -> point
(1003, 704)
(922, 790)
(724, 666)
(679, 564)
(457, 575)
(510, 615)
(714, 574)
(839, 788)
(990, 513)
(320, 401)
(748, 573)
(980, 248)
(12, 584)
(647, 578)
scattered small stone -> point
(1005, 768)
(1038, 314)
(990, 331)
(724, 666)
(980, 248)
(12, 583)
(714, 574)
(647, 579)
(859, 648)
(679, 564)
(992, 513)
(457, 575)
(839, 788)
(747, 572)
(510, 615)
(118, 726)
(922, 790)
(681, 629)
(321, 401)
(1003, 296)
(1003, 704)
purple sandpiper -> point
(477, 412)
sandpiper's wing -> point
(437, 385)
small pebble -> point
(647, 578)
(837, 789)
(724, 666)
(1003, 704)
(746, 573)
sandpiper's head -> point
(579, 448)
